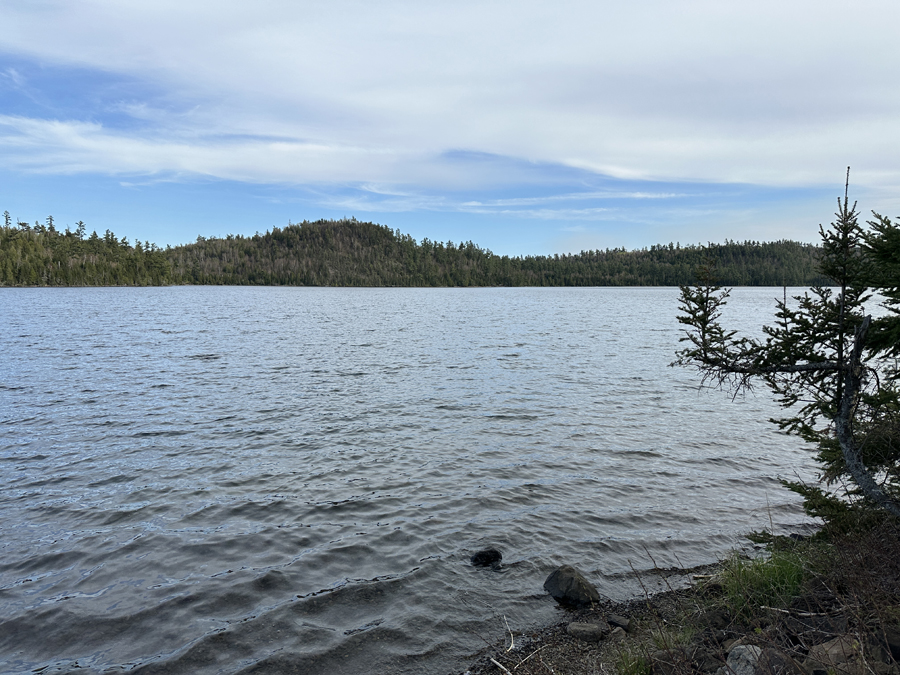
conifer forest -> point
(354, 253)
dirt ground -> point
(552, 650)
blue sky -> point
(524, 127)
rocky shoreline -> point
(843, 619)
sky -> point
(526, 127)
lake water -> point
(292, 480)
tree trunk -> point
(843, 427)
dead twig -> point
(500, 666)
(801, 614)
(529, 656)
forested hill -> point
(353, 253)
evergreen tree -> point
(831, 365)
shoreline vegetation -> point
(828, 604)
(351, 253)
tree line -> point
(354, 253)
(41, 255)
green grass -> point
(630, 661)
(671, 637)
(763, 582)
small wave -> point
(113, 480)
(501, 416)
(163, 433)
(367, 626)
(203, 517)
(8, 387)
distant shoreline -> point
(350, 253)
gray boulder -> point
(619, 621)
(589, 632)
(569, 587)
(832, 653)
(617, 633)
(742, 660)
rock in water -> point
(489, 556)
(569, 587)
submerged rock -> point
(569, 587)
(487, 557)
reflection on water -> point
(268, 480)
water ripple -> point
(267, 480)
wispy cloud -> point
(686, 91)
(12, 77)
(62, 146)
(375, 200)
(573, 196)
(586, 111)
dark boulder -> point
(488, 557)
(569, 587)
